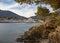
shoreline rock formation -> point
(46, 32)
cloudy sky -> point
(23, 10)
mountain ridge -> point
(6, 13)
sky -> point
(23, 10)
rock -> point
(54, 37)
(46, 30)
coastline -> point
(17, 21)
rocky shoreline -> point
(46, 32)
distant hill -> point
(34, 17)
(4, 13)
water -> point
(10, 31)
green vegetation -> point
(54, 3)
(42, 13)
(49, 29)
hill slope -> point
(4, 13)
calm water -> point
(10, 31)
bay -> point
(9, 32)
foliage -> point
(47, 29)
(57, 22)
(38, 32)
(42, 13)
(54, 3)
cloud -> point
(26, 13)
(48, 7)
(3, 6)
(13, 5)
(23, 10)
(6, 7)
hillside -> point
(34, 17)
(4, 13)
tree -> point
(42, 13)
(50, 25)
(54, 3)
(28, 1)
